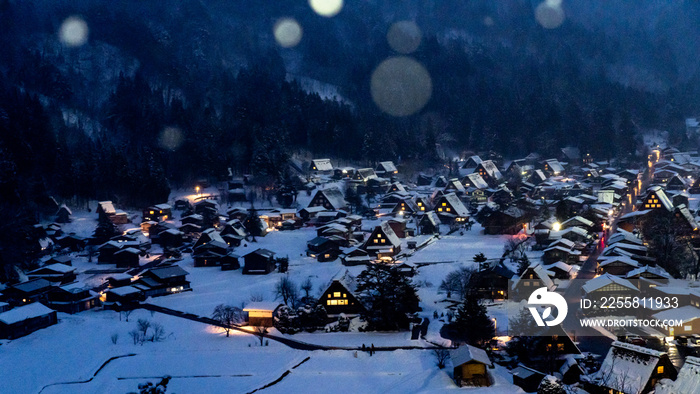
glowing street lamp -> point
(196, 188)
(556, 226)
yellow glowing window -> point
(329, 296)
(444, 204)
(660, 369)
(376, 241)
(151, 212)
(379, 235)
(332, 302)
(420, 204)
(447, 209)
(336, 294)
(165, 217)
(560, 347)
(439, 209)
(422, 208)
(345, 295)
(655, 201)
(383, 241)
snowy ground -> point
(201, 359)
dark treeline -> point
(165, 93)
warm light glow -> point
(556, 226)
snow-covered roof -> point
(475, 180)
(579, 219)
(607, 260)
(388, 166)
(467, 353)
(107, 207)
(163, 206)
(560, 265)
(21, 313)
(57, 267)
(125, 290)
(168, 272)
(323, 164)
(656, 270)
(684, 313)
(627, 367)
(604, 280)
(688, 380)
(456, 204)
(261, 306)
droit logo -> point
(542, 297)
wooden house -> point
(552, 167)
(688, 380)
(537, 177)
(526, 378)
(492, 282)
(689, 315)
(489, 172)
(157, 213)
(429, 223)
(344, 173)
(322, 249)
(508, 221)
(63, 214)
(27, 292)
(608, 285)
(471, 163)
(124, 297)
(163, 280)
(470, 366)
(630, 368)
(330, 199)
(534, 277)
(106, 252)
(24, 320)
(173, 237)
(355, 256)
(126, 258)
(559, 270)
(656, 199)
(261, 313)
(364, 175)
(386, 169)
(73, 298)
(407, 207)
(451, 210)
(323, 166)
(259, 261)
(56, 273)
(382, 240)
(560, 253)
(339, 297)
(454, 186)
(616, 265)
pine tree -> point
(472, 324)
(389, 296)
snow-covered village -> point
(349, 197)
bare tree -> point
(287, 291)
(114, 338)
(126, 313)
(158, 333)
(441, 356)
(306, 287)
(457, 282)
(227, 316)
(135, 336)
(142, 326)
(256, 297)
(260, 332)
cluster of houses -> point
(519, 198)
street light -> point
(556, 226)
(196, 188)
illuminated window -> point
(345, 295)
(560, 347)
(151, 212)
(526, 283)
(447, 209)
(532, 276)
(660, 369)
(376, 241)
(439, 209)
(444, 204)
(336, 294)
(329, 296)
(383, 240)
(422, 208)
(379, 235)
(332, 302)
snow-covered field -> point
(201, 359)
